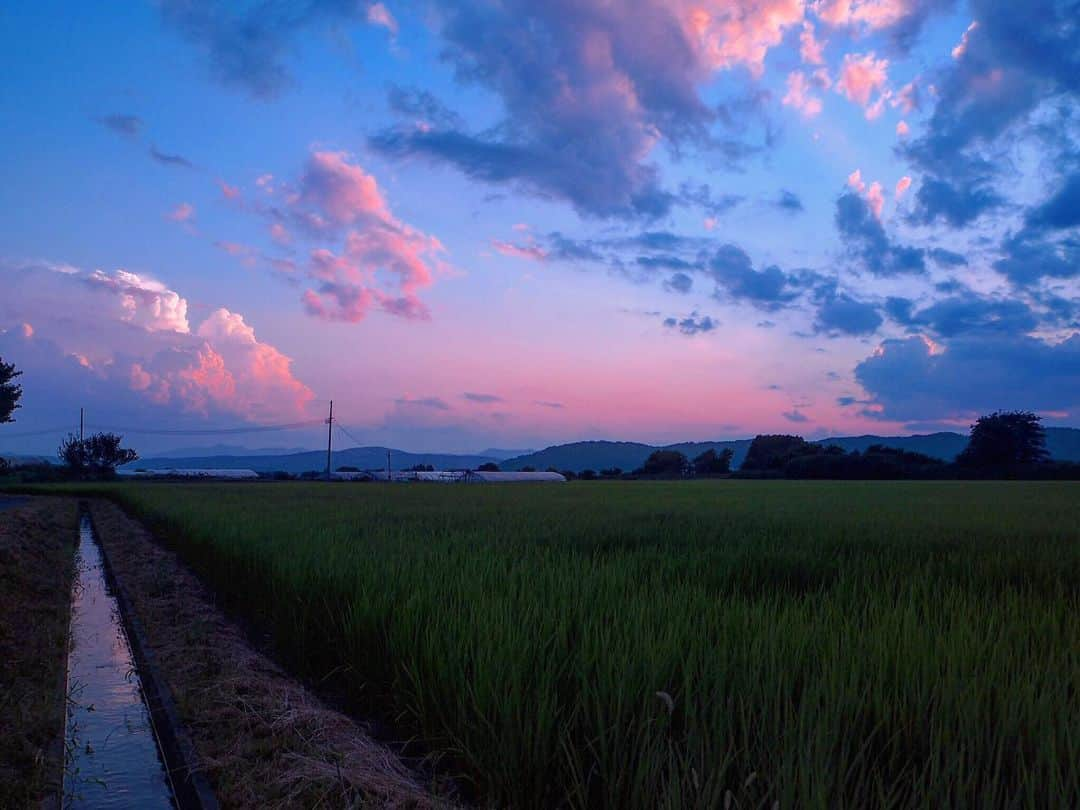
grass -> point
(672, 645)
(37, 549)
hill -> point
(1063, 444)
(363, 458)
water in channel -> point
(112, 758)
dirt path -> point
(263, 739)
(37, 547)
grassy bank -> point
(666, 645)
(37, 548)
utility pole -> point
(329, 438)
(389, 476)
(80, 424)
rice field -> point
(675, 645)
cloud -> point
(842, 314)
(483, 399)
(902, 185)
(914, 379)
(227, 191)
(122, 124)
(679, 283)
(861, 75)
(523, 251)
(902, 129)
(384, 263)
(966, 313)
(795, 415)
(798, 95)
(701, 195)
(428, 403)
(378, 14)
(956, 204)
(548, 404)
(422, 108)
(1026, 258)
(811, 49)
(588, 97)
(122, 344)
(692, 324)
(1061, 210)
(867, 242)
(247, 44)
(184, 212)
(789, 201)
(166, 159)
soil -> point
(262, 738)
(37, 549)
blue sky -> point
(481, 223)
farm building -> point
(450, 476)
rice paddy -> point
(676, 645)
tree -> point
(1005, 438)
(10, 393)
(712, 463)
(489, 466)
(773, 452)
(666, 463)
(97, 456)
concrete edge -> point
(191, 788)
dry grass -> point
(264, 739)
(37, 544)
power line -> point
(27, 433)
(213, 431)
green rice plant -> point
(676, 645)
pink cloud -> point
(385, 263)
(738, 32)
(238, 250)
(184, 212)
(280, 234)
(902, 129)
(860, 76)
(872, 14)
(902, 185)
(961, 46)
(798, 95)
(532, 252)
(907, 98)
(265, 182)
(378, 14)
(875, 198)
(227, 191)
(811, 49)
(855, 181)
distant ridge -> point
(1063, 443)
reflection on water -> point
(112, 754)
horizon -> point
(479, 226)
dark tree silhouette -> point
(96, 456)
(1004, 438)
(668, 463)
(489, 466)
(9, 391)
(773, 452)
(712, 463)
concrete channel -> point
(124, 746)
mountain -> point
(1063, 444)
(500, 453)
(229, 450)
(363, 458)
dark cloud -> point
(701, 196)
(947, 258)
(912, 379)
(966, 314)
(166, 159)
(431, 403)
(247, 43)
(420, 105)
(122, 124)
(484, 399)
(867, 241)
(679, 283)
(1062, 210)
(769, 288)
(1026, 258)
(842, 314)
(546, 404)
(789, 201)
(957, 204)
(693, 324)
(795, 415)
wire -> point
(44, 432)
(343, 430)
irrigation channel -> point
(113, 758)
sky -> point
(514, 223)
